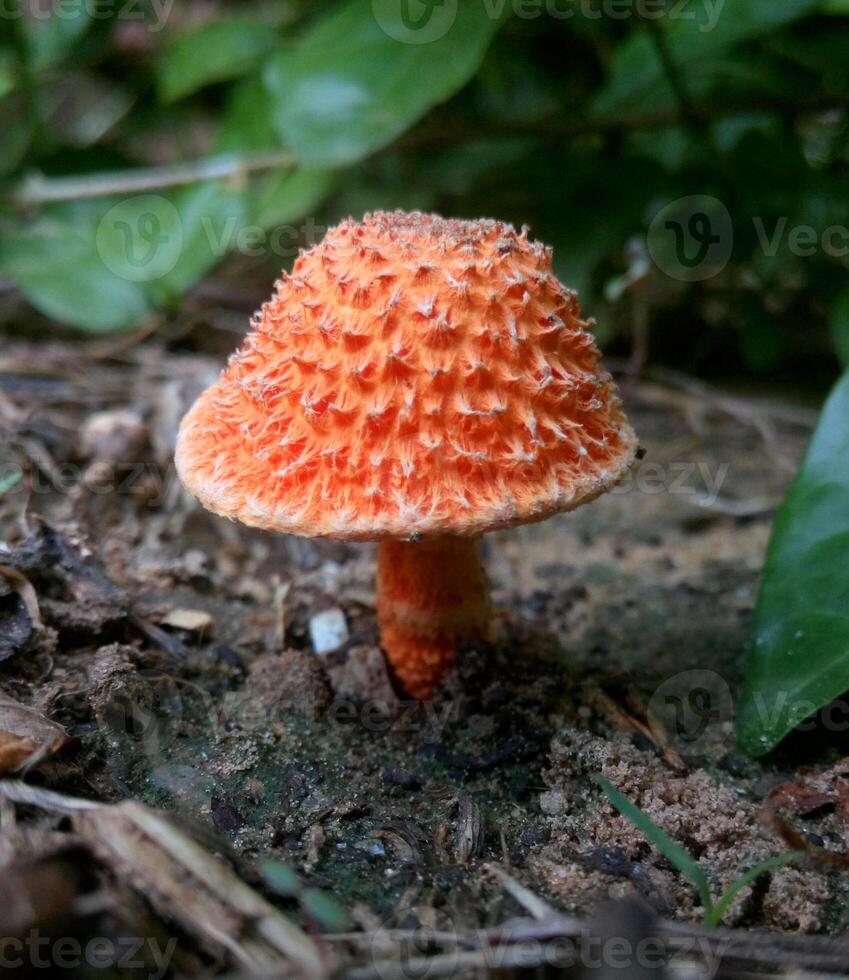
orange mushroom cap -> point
(412, 376)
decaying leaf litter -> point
(161, 665)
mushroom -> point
(416, 381)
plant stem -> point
(560, 129)
(720, 907)
(36, 189)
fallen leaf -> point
(26, 736)
(22, 585)
(20, 617)
(809, 792)
(14, 751)
(812, 790)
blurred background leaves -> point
(258, 124)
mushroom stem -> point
(431, 595)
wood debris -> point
(469, 836)
(186, 884)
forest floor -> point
(152, 652)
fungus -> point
(416, 381)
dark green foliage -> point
(583, 119)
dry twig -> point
(185, 882)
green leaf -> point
(821, 49)
(389, 180)
(56, 263)
(284, 197)
(731, 130)
(15, 127)
(216, 51)
(281, 878)
(83, 108)
(211, 215)
(105, 264)
(8, 481)
(324, 908)
(762, 346)
(359, 78)
(8, 71)
(458, 170)
(697, 32)
(51, 32)
(800, 658)
(671, 849)
(714, 916)
(246, 125)
(587, 206)
(839, 323)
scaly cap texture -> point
(412, 376)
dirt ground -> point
(177, 653)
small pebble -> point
(373, 848)
(113, 436)
(328, 631)
(190, 620)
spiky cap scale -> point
(412, 376)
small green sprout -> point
(686, 863)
